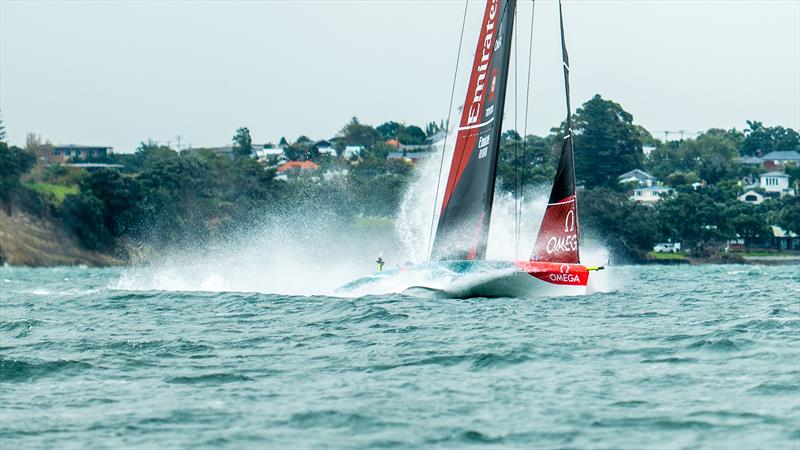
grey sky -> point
(117, 73)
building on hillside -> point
(413, 157)
(775, 183)
(639, 177)
(645, 187)
(776, 160)
(647, 149)
(352, 151)
(393, 143)
(784, 240)
(751, 161)
(752, 196)
(325, 147)
(650, 194)
(65, 153)
(295, 168)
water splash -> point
(314, 254)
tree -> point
(432, 128)
(628, 228)
(607, 143)
(411, 135)
(2, 129)
(527, 163)
(747, 222)
(761, 140)
(696, 218)
(243, 142)
(712, 155)
(356, 133)
(14, 162)
(787, 215)
(389, 130)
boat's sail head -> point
(559, 234)
(463, 227)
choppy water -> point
(677, 357)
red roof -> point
(394, 143)
(298, 165)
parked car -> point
(667, 247)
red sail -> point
(466, 209)
(559, 234)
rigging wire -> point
(527, 98)
(516, 142)
(447, 127)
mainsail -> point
(463, 227)
(559, 234)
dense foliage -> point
(166, 198)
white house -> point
(650, 194)
(751, 197)
(775, 182)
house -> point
(64, 153)
(751, 196)
(751, 161)
(776, 160)
(352, 151)
(784, 240)
(647, 149)
(775, 183)
(295, 168)
(325, 147)
(650, 194)
(414, 157)
(639, 177)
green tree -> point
(628, 228)
(411, 135)
(696, 218)
(787, 214)
(389, 130)
(747, 222)
(761, 140)
(2, 129)
(356, 133)
(14, 162)
(432, 128)
(243, 142)
(607, 143)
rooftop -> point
(298, 165)
(638, 174)
(788, 155)
(774, 174)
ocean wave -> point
(18, 370)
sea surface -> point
(672, 357)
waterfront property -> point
(65, 153)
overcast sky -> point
(117, 73)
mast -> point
(559, 234)
(463, 228)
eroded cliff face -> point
(27, 240)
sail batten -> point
(463, 227)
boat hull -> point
(466, 279)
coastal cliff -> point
(28, 240)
